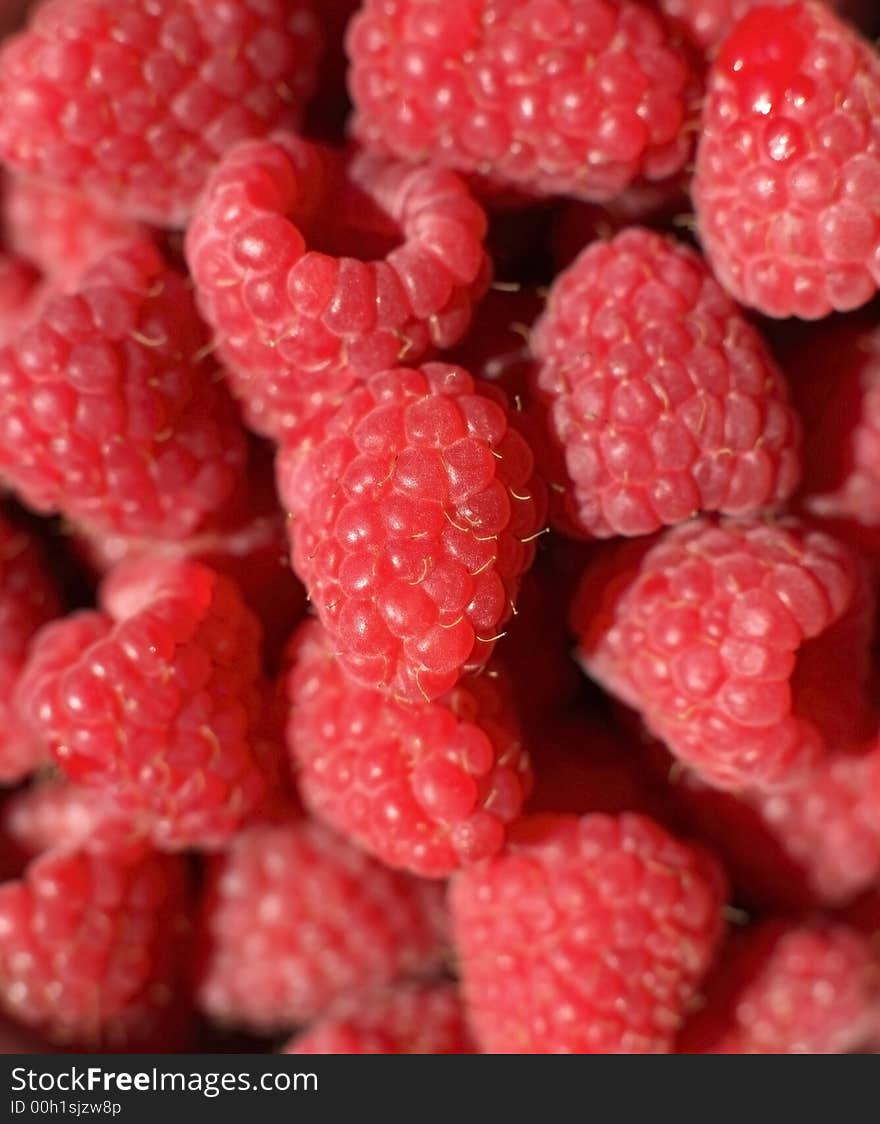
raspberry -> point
(744, 645)
(108, 412)
(154, 701)
(586, 936)
(816, 843)
(789, 987)
(57, 814)
(315, 270)
(61, 231)
(788, 164)
(20, 295)
(661, 398)
(411, 1018)
(412, 523)
(577, 97)
(135, 103)
(425, 787)
(28, 599)
(91, 948)
(294, 918)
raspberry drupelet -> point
(412, 522)
(586, 936)
(411, 1018)
(787, 176)
(28, 600)
(93, 948)
(425, 787)
(316, 268)
(743, 644)
(110, 411)
(134, 103)
(578, 97)
(294, 919)
(661, 400)
(155, 700)
(801, 986)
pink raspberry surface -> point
(155, 700)
(588, 935)
(56, 814)
(294, 918)
(661, 400)
(411, 1018)
(744, 645)
(315, 269)
(425, 787)
(61, 231)
(91, 949)
(787, 174)
(789, 987)
(575, 97)
(28, 600)
(110, 413)
(412, 522)
(134, 103)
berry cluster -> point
(438, 559)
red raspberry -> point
(789, 987)
(661, 398)
(155, 700)
(91, 948)
(61, 231)
(412, 523)
(816, 843)
(744, 645)
(134, 103)
(425, 787)
(20, 295)
(586, 936)
(314, 270)
(575, 97)
(57, 814)
(788, 165)
(110, 413)
(411, 1018)
(295, 918)
(28, 599)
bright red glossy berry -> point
(787, 177)
(425, 787)
(134, 103)
(586, 936)
(294, 918)
(413, 521)
(573, 97)
(315, 269)
(661, 400)
(742, 644)
(155, 700)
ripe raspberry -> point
(661, 398)
(28, 599)
(576, 97)
(586, 936)
(59, 815)
(91, 948)
(787, 176)
(744, 645)
(110, 413)
(816, 843)
(155, 701)
(412, 523)
(20, 295)
(294, 918)
(424, 787)
(134, 104)
(315, 269)
(412, 1018)
(789, 987)
(61, 231)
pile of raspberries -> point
(440, 526)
